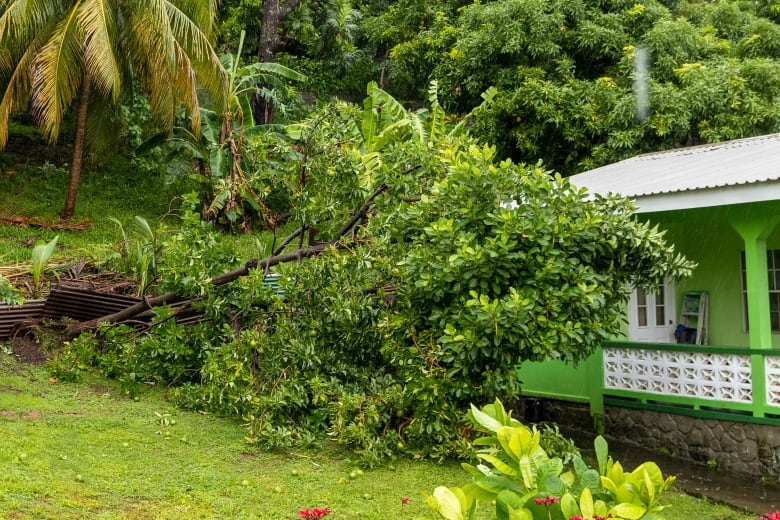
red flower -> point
(546, 501)
(405, 501)
(770, 516)
(314, 513)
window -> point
(773, 271)
(655, 299)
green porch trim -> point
(702, 413)
(681, 402)
(586, 383)
(755, 232)
(684, 347)
(595, 374)
(557, 397)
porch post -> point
(755, 233)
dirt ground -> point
(27, 351)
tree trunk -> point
(272, 13)
(78, 149)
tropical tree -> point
(57, 53)
(567, 72)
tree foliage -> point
(465, 266)
(565, 73)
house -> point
(716, 394)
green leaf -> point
(484, 420)
(586, 503)
(591, 479)
(499, 464)
(628, 511)
(445, 502)
(506, 502)
(569, 506)
(602, 449)
(144, 226)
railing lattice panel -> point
(721, 377)
(772, 367)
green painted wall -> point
(555, 379)
(716, 247)
(708, 237)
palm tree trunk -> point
(272, 13)
(78, 149)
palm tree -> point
(57, 52)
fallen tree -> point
(168, 298)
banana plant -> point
(219, 146)
(41, 253)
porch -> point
(713, 382)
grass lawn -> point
(37, 192)
(84, 450)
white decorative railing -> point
(772, 368)
(722, 377)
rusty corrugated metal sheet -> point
(30, 312)
(82, 304)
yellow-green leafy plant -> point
(517, 475)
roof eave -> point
(705, 198)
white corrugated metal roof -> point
(726, 170)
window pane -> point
(641, 315)
(774, 310)
(660, 312)
(641, 297)
(660, 315)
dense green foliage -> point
(463, 262)
(59, 53)
(569, 90)
(565, 74)
(464, 266)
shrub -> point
(525, 483)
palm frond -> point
(197, 45)
(17, 91)
(22, 20)
(202, 13)
(185, 87)
(56, 74)
(153, 54)
(103, 119)
(98, 22)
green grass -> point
(37, 192)
(85, 450)
(121, 192)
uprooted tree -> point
(462, 266)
